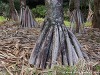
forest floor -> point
(17, 43)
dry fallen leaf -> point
(16, 45)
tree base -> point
(56, 45)
(26, 18)
(77, 21)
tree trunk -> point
(77, 4)
(76, 17)
(56, 44)
(90, 13)
(96, 15)
(13, 12)
(23, 3)
(26, 17)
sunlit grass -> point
(2, 19)
(67, 23)
(88, 24)
(39, 20)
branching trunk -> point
(56, 44)
(26, 17)
(76, 18)
(13, 12)
(96, 15)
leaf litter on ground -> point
(17, 43)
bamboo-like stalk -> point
(64, 54)
(41, 59)
(34, 53)
(77, 47)
(63, 47)
(26, 18)
(72, 35)
(32, 20)
(72, 24)
(16, 14)
(38, 61)
(74, 54)
(22, 17)
(85, 56)
(69, 48)
(76, 21)
(26, 15)
(29, 20)
(45, 48)
(55, 46)
(49, 58)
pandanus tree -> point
(76, 18)
(13, 13)
(56, 45)
(26, 17)
(96, 15)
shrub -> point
(17, 5)
(39, 11)
(66, 13)
(4, 9)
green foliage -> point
(97, 67)
(66, 13)
(4, 1)
(4, 8)
(17, 5)
(39, 11)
